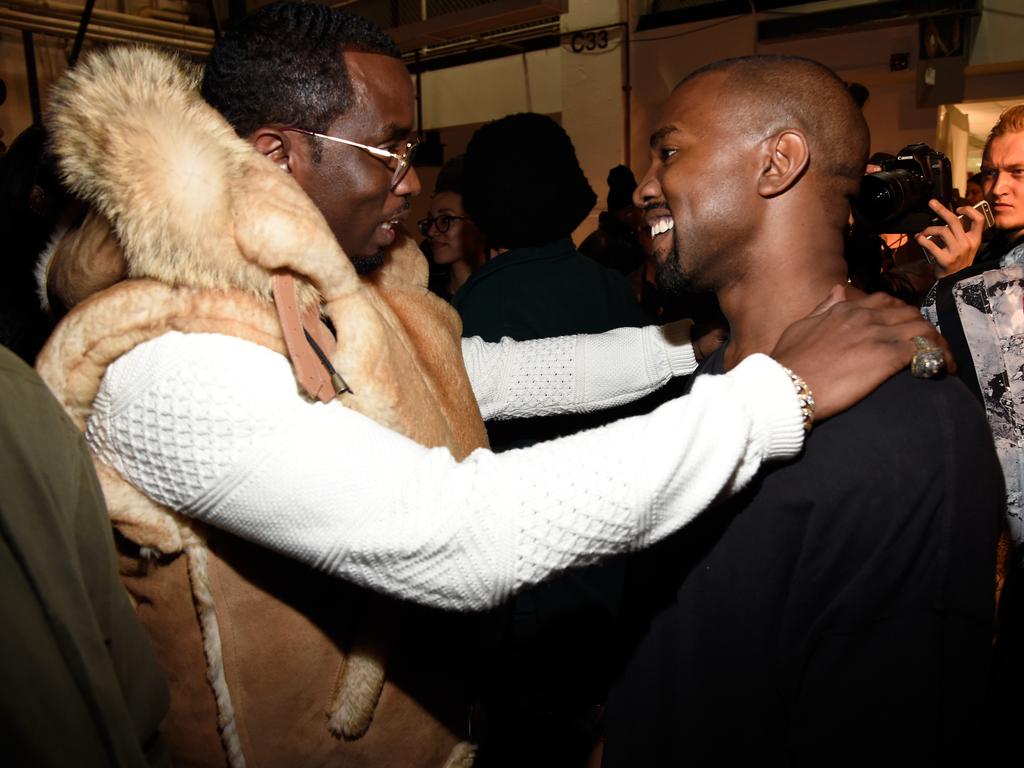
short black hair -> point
(282, 64)
(522, 184)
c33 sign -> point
(593, 40)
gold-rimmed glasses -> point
(404, 159)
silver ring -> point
(927, 362)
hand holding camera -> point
(952, 246)
(910, 194)
(895, 198)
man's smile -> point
(388, 227)
(661, 224)
(658, 218)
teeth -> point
(661, 226)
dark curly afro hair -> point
(522, 184)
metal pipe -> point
(50, 9)
(627, 93)
(419, 98)
(49, 27)
(83, 25)
(494, 40)
(61, 28)
(62, 23)
(33, 78)
(64, 29)
(211, 8)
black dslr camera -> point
(895, 199)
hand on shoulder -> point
(846, 348)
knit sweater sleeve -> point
(575, 374)
(213, 426)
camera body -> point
(895, 198)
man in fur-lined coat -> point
(275, 400)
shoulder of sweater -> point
(213, 355)
(917, 414)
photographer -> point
(976, 304)
(954, 248)
(978, 293)
(900, 196)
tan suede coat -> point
(269, 662)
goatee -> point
(669, 276)
(367, 265)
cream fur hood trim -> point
(190, 201)
(190, 205)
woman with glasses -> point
(456, 245)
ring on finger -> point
(928, 361)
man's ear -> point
(786, 156)
(277, 145)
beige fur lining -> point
(462, 756)
(198, 576)
(41, 272)
(359, 687)
(361, 679)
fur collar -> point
(189, 201)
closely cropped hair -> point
(282, 64)
(522, 184)
(791, 91)
(1010, 121)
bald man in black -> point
(839, 611)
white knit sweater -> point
(334, 489)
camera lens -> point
(887, 194)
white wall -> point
(892, 112)
(1000, 32)
(486, 90)
(592, 100)
(662, 57)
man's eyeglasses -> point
(441, 223)
(404, 159)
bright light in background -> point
(982, 116)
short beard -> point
(669, 276)
(672, 280)
(367, 265)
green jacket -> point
(550, 290)
(79, 684)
